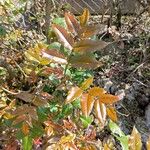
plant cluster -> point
(61, 108)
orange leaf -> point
(72, 23)
(108, 98)
(100, 110)
(25, 129)
(111, 112)
(64, 37)
(86, 84)
(84, 104)
(148, 144)
(88, 45)
(96, 91)
(73, 94)
(84, 18)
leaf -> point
(108, 98)
(111, 112)
(72, 23)
(90, 30)
(86, 121)
(135, 140)
(54, 56)
(96, 91)
(106, 147)
(116, 131)
(84, 18)
(35, 54)
(148, 144)
(88, 45)
(25, 96)
(27, 143)
(86, 84)
(25, 129)
(84, 61)
(66, 139)
(64, 37)
(74, 93)
(100, 110)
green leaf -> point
(59, 21)
(116, 131)
(27, 143)
(86, 121)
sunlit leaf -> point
(96, 91)
(106, 147)
(27, 143)
(54, 56)
(35, 54)
(86, 84)
(74, 93)
(84, 18)
(135, 140)
(84, 61)
(108, 98)
(148, 144)
(66, 139)
(90, 30)
(111, 112)
(64, 37)
(116, 131)
(72, 23)
(100, 110)
(88, 45)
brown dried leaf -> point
(64, 37)
(90, 30)
(88, 45)
(25, 96)
(72, 23)
(106, 147)
(84, 61)
(73, 94)
(135, 140)
(84, 18)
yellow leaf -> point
(111, 112)
(135, 140)
(86, 84)
(84, 18)
(148, 144)
(106, 147)
(73, 94)
(66, 139)
(25, 129)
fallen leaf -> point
(111, 112)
